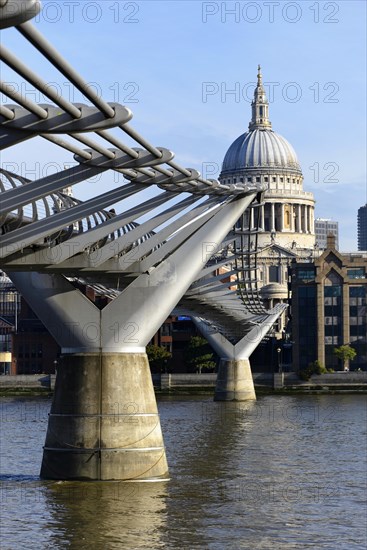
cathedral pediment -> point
(277, 251)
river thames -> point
(285, 472)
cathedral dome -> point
(260, 148)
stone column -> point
(262, 217)
(307, 218)
(299, 219)
(281, 216)
(312, 221)
(272, 217)
(251, 218)
(293, 217)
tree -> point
(199, 355)
(313, 368)
(345, 353)
(158, 357)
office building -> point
(328, 308)
(362, 228)
(323, 228)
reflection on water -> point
(283, 472)
(107, 515)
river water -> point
(285, 472)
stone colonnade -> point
(277, 216)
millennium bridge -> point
(152, 255)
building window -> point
(332, 322)
(166, 329)
(330, 340)
(358, 273)
(273, 274)
(307, 324)
(358, 292)
(332, 290)
(306, 274)
(330, 301)
(358, 325)
(274, 180)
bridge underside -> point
(152, 240)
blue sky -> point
(175, 64)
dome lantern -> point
(260, 106)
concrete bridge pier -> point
(234, 380)
(104, 422)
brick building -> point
(328, 308)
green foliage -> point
(318, 368)
(345, 353)
(158, 357)
(304, 374)
(199, 355)
(313, 368)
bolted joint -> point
(57, 121)
(124, 160)
(16, 12)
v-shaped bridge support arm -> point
(234, 380)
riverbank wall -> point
(338, 382)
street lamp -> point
(279, 351)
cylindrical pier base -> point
(104, 422)
(234, 381)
